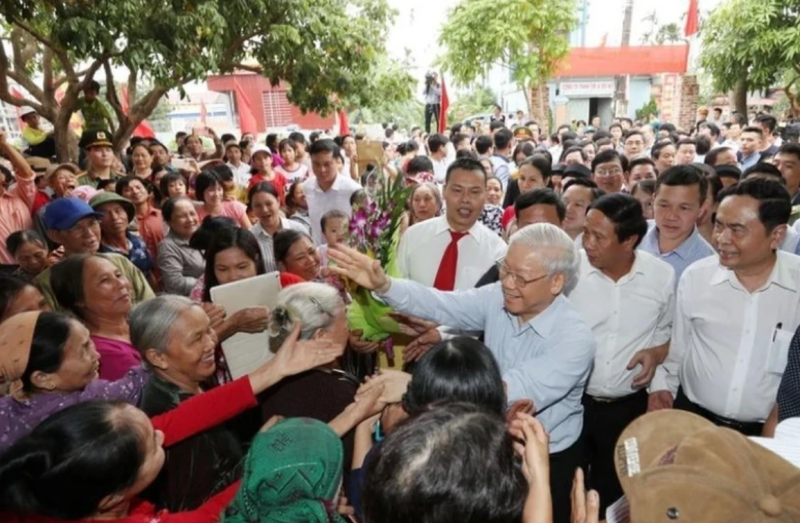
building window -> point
(277, 111)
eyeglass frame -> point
(518, 280)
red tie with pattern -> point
(446, 275)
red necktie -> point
(446, 275)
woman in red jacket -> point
(90, 461)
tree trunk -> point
(739, 96)
(539, 107)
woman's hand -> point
(535, 451)
(359, 268)
(394, 382)
(215, 312)
(252, 319)
(364, 406)
(296, 356)
(360, 345)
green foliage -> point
(326, 50)
(647, 110)
(477, 101)
(529, 36)
(753, 40)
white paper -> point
(619, 512)
(786, 443)
(245, 352)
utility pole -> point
(620, 91)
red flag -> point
(247, 122)
(444, 105)
(144, 129)
(691, 19)
(203, 112)
(344, 125)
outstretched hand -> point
(359, 268)
(296, 356)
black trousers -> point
(431, 111)
(683, 402)
(562, 471)
(46, 149)
(603, 423)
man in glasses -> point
(73, 224)
(544, 348)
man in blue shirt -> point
(678, 202)
(544, 348)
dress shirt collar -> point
(258, 230)
(685, 250)
(442, 226)
(313, 184)
(636, 268)
(543, 323)
(781, 275)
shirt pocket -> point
(779, 351)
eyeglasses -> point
(615, 171)
(518, 280)
(81, 230)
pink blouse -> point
(235, 210)
(116, 357)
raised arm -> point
(25, 188)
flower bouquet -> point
(375, 231)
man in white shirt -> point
(627, 297)
(736, 314)
(437, 152)
(426, 250)
(326, 190)
(501, 161)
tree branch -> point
(252, 68)
(133, 84)
(47, 70)
(111, 94)
(69, 70)
(5, 92)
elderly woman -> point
(118, 213)
(49, 362)
(95, 291)
(296, 253)
(94, 459)
(179, 264)
(18, 295)
(30, 252)
(323, 392)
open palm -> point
(358, 267)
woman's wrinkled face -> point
(32, 257)
(184, 219)
(266, 208)
(106, 291)
(80, 363)
(190, 348)
(303, 259)
(233, 264)
(424, 204)
(141, 159)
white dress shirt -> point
(320, 202)
(423, 245)
(440, 169)
(241, 174)
(729, 347)
(625, 316)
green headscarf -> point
(292, 473)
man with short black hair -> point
(641, 168)
(461, 142)
(627, 298)
(634, 144)
(768, 124)
(579, 193)
(327, 190)
(484, 145)
(501, 161)
(437, 152)
(788, 161)
(750, 145)
(609, 170)
(711, 130)
(678, 202)
(736, 314)
(663, 154)
(686, 152)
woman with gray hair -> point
(174, 336)
(323, 392)
(543, 346)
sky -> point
(418, 22)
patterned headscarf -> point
(16, 336)
(292, 473)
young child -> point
(95, 114)
(334, 225)
(291, 169)
(172, 185)
(261, 160)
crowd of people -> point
(606, 311)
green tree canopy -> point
(748, 44)
(326, 50)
